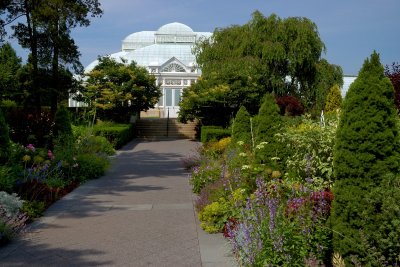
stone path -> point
(139, 214)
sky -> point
(350, 29)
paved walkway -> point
(139, 214)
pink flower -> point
(50, 154)
(31, 147)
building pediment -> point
(173, 65)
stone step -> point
(157, 127)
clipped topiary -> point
(4, 140)
(333, 100)
(241, 129)
(62, 122)
(367, 148)
(269, 123)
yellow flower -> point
(26, 158)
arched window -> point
(173, 67)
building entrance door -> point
(172, 99)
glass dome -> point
(175, 28)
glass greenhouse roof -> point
(154, 48)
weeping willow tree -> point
(265, 55)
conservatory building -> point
(167, 54)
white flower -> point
(245, 167)
(261, 145)
(243, 154)
(240, 143)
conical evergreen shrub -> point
(333, 100)
(4, 140)
(62, 122)
(269, 123)
(366, 150)
(241, 129)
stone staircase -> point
(156, 128)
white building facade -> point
(167, 54)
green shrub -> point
(310, 147)
(333, 100)
(117, 134)
(4, 140)
(214, 216)
(34, 209)
(269, 123)
(241, 129)
(62, 122)
(213, 133)
(7, 179)
(203, 175)
(90, 166)
(90, 144)
(367, 148)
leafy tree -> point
(241, 128)
(204, 98)
(334, 99)
(128, 88)
(269, 123)
(393, 73)
(46, 33)
(366, 149)
(267, 54)
(10, 64)
(327, 76)
(4, 140)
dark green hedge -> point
(209, 133)
(118, 135)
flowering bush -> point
(282, 226)
(204, 174)
(311, 152)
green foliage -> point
(4, 139)
(203, 175)
(90, 166)
(214, 216)
(333, 100)
(241, 128)
(310, 152)
(62, 122)
(92, 144)
(213, 133)
(7, 179)
(241, 63)
(10, 64)
(34, 209)
(327, 76)
(367, 148)
(126, 88)
(117, 134)
(269, 123)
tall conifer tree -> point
(367, 148)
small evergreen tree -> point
(4, 140)
(269, 123)
(241, 127)
(367, 148)
(333, 100)
(62, 122)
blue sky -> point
(350, 29)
